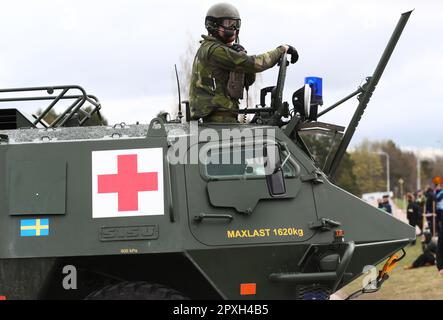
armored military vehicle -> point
(149, 211)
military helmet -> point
(222, 15)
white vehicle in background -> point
(374, 196)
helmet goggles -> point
(229, 23)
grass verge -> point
(416, 284)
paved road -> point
(399, 213)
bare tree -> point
(186, 61)
(403, 164)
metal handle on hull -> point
(203, 216)
(335, 276)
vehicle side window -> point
(239, 162)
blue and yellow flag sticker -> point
(34, 227)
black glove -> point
(238, 47)
(293, 53)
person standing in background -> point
(420, 200)
(412, 212)
(438, 198)
(429, 194)
(386, 205)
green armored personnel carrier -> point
(175, 210)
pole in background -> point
(388, 179)
(418, 172)
(401, 181)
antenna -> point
(180, 115)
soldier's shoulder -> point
(224, 49)
(214, 47)
(210, 40)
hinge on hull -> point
(324, 224)
(314, 177)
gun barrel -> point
(366, 95)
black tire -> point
(136, 291)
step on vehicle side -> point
(149, 211)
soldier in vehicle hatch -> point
(222, 68)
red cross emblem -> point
(127, 183)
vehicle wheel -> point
(136, 291)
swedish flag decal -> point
(34, 227)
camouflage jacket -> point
(210, 74)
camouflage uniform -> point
(213, 64)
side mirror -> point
(275, 178)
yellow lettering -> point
(254, 233)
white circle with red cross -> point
(127, 183)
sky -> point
(124, 53)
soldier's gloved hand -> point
(238, 47)
(294, 54)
